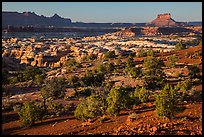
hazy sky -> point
(129, 12)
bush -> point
(118, 99)
(177, 87)
(180, 45)
(83, 92)
(30, 72)
(90, 107)
(166, 102)
(13, 80)
(73, 80)
(30, 113)
(194, 71)
(130, 62)
(186, 85)
(141, 53)
(135, 72)
(90, 79)
(172, 60)
(39, 79)
(56, 108)
(142, 94)
(72, 65)
(54, 88)
(109, 54)
(153, 74)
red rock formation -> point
(163, 20)
(127, 32)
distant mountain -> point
(31, 19)
(164, 20)
(16, 19)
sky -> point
(111, 12)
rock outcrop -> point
(163, 20)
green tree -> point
(142, 94)
(118, 99)
(166, 102)
(135, 72)
(180, 45)
(30, 72)
(194, 71)
(30, 113)
(54, 88)
(153, 73)
(130, 62)
(39, 79)
(172, 60)
(90, 107)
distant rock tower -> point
(163, 20)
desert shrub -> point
(56, 108)
(118, 62)
(109, 54)
(106, 67)
(118, 99)
(30, 72)
(73, 80)
(90, 107)
(135, 72)
(72, 65)
(39, 79)
(141, 53)
(142, 94)
(153, 74)
(172, 59)
(13, 80)
(180, 45)
(30, 113)
(130, 62)
(91, 79)
(109, 67)
(83, 92)
(177, 87)
(166, 102)
(54, 88)
(194, 71)
(101, 68)
(186, 85)
(134, 96)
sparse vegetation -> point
(172, 60)
(54, 88)
(30, 113)
(92, 106)
(154, 76)
(118, 99)
(166, 102)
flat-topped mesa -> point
(163, 20)
(165, 16)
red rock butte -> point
(163, 20)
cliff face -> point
(163, 20)
(32, 19)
